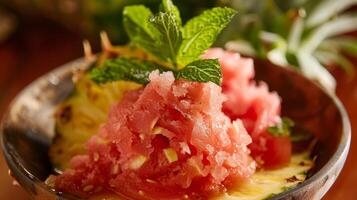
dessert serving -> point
(168, 117)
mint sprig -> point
(200, 32)
(283, 128)
(172, 42)
(163, 36)
(132, 69)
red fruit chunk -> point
(254, 105)
(169, 140)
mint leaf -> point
(159, 35)
(287, 122)
(141, 33)
(282, 129)
(128, 69)
(202, 71)
(162, 35)
(200, 32)
(169, 37)
(132, 69)
(168, 6)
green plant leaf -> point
(241, 46)
(136, 70)
(273, 19)
(128, 69)
(346, 44)
(312, 69)
(327, 9)
(277, 54)
(304, 26)
(283, 128)
(331, 58)
(169, 37)
(340, 25)
(200, 32)
(295, 33)
(202, 71)
(136, 24)
(162, 34)
(168, 6)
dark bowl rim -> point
(338, 156)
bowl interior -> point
(28, 126)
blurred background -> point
(317, 38)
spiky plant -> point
(307, 35)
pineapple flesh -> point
(80, 115)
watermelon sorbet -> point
(178, 139)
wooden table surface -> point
(38, 48)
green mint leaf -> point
(200, 32)
(287, 122)
(132, 69)
(282, 129)
(140, 31)
(160, 34)
(275, 131)
(128, 69)
(168, 6)
(202, 71)
(168, 36)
